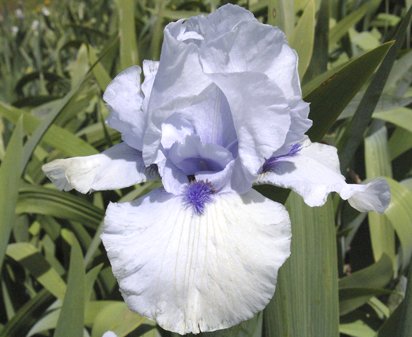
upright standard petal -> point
(260, 115)
(173, 88)
(124, 97)
(312, 170)
(233, 51)
(118, 167)
(197, 271)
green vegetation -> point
(350, 274)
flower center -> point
(270, 164)
(197, 195)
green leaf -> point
(377, 275)
(30, 258)
(127, 31)
(47, 121)
(93, 308)
(353, 135)
(91, 277)
(249, 328)
(306, 297)
(351, 299)
(401, 117)
(117, 318)
(357, 329)
(378, 164)
(400, 142)
(99, 72)
(319, 61)
(46, 201)
(342, 27)
(302, 38)
(399, 214)
(10, 172)
(399, 78)
(329, 93)
(357, 288)
(61, 139)
(399, 323)
(71, 319)
(405, 324)
(281, 13)
(27, 315)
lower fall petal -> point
(195, 272)
(313, 172)
(118, 167)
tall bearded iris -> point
(222, 110)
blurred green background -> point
(348, 273)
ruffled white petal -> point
(314, 173)
(194, 273)
(233, 51)
(118, 167)
(124, 98)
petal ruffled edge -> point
(374, 195)
(313, 172)
(118, 167)
(194, 273)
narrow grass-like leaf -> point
(157, 29)
(351, 299)
(399, 76)
(176, 15)
(41, 200)
(306, 298)
(357, 329)
(61, 139)
(30, 258)
(27, 315)
(400, 116)
(45, 125)
(10, 172)
(405, 323)
(319, 61)
(399, 323)
(117, 318)
(302, 38)
(357, 288)
(249, 328)
(71, 319)
(354, 132)
(127, 31)
(399, 214)
(331, 92)
(342, 27)
(91, 277)
(377, 164)
(375, 276)
(400, 142)
(93, 308)
(102, 77)
(281, 13)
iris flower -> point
(222, 110)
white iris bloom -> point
(221, 111)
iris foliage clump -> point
(348, 271)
